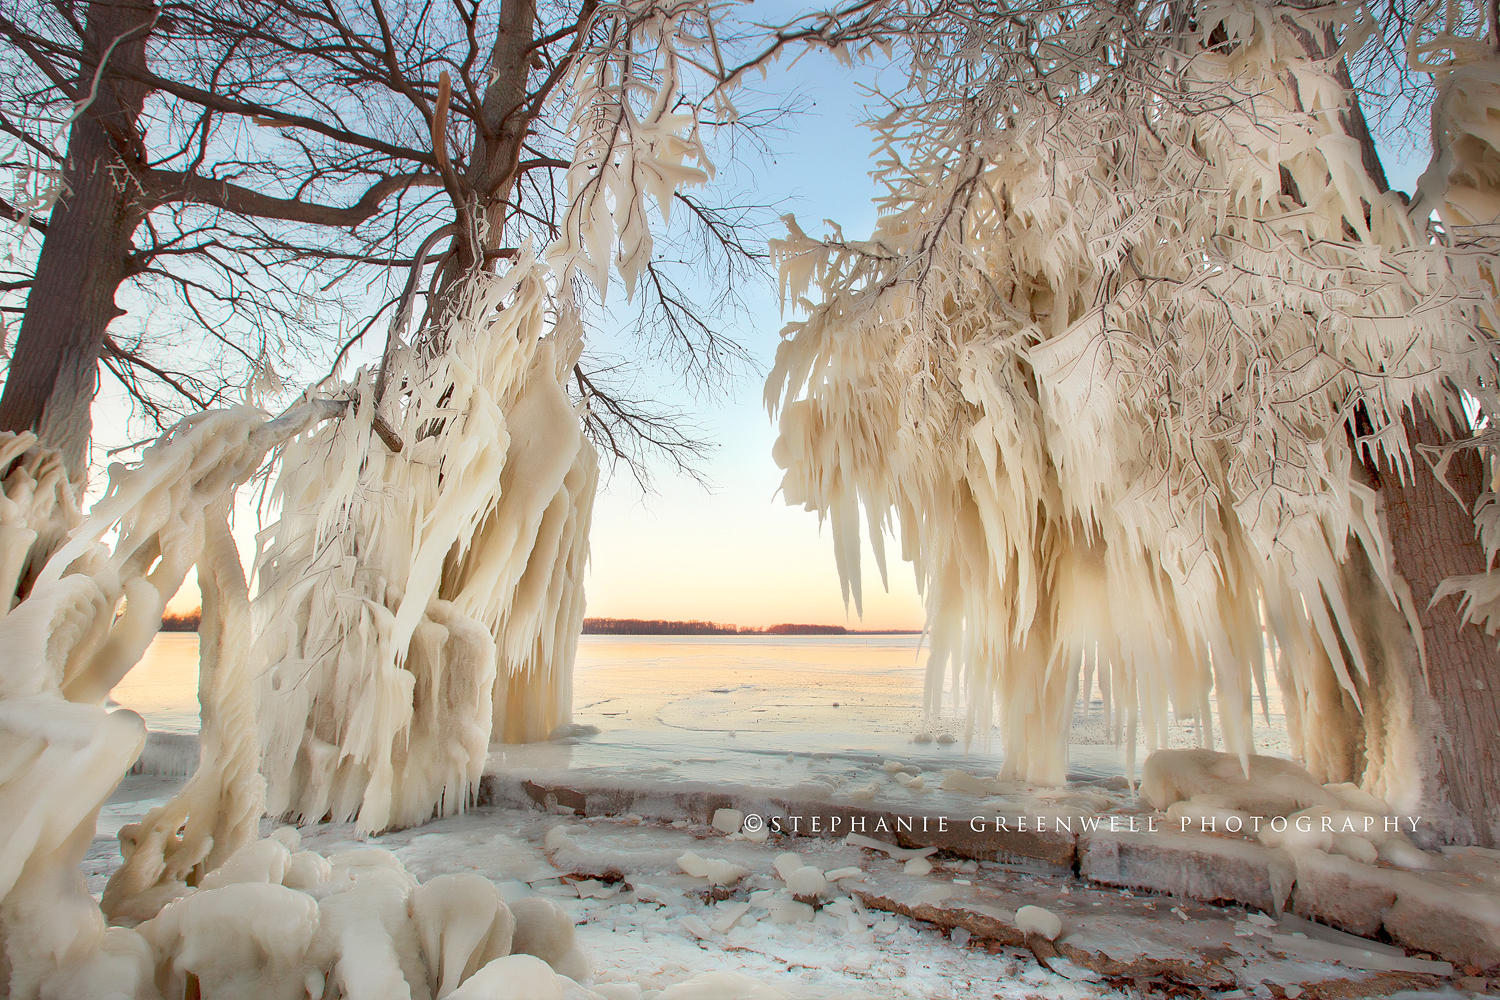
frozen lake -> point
(769, 694)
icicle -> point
(1106, 392)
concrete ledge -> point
(1209, 869)
(1432, 912)
(1340, 892)
(810, 816)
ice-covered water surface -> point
(677, 695)
(163, 687)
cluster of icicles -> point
(412, 602)
(421, 603)
(1099, 387)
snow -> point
(1036, 920)
(650, 925)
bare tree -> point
(264, 171)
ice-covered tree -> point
(421, 592)
(1152, 374)
(252, 182)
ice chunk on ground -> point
(728, 820)
(728, 916)
(515, 977)
(787, 863)
(894, 852)
(542, 929)
(718, 872)
(918, 866)
(245, 941)
(955, 780)
(1404, 855)
(787, 911)
(806, 881)
(572, 730)
(1273, 787)
(462, 925)
(1035, 920)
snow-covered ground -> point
(646, 923)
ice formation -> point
(1099, 388)
(420, 595)
(82, 619)
(416, 604)
(413, 605)
(1036, 920)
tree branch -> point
(170, 186)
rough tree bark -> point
(1432, 537)
(86, 254)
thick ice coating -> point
(395, 655)
(1105, 405)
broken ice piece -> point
(918, 866)
(896, 853)
(759, 835)
(959, 936)
(805, 881)
(697, 928)
(728, 820)
(906, 780)
(1404, 855)
(1355, 958)
(1035, 920)
(717, 872)
(729, 915)
(947, 739)
(617, 991)
(853, 871)
(788, 911)
(922, 738)
(1293, 991)
(786, 863)
(893, 766)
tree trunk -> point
(1432, 537)
(86, 254)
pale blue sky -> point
(732, 551)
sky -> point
(728, 549)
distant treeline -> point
(181, 623)
(627, 626)
(655, 626)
